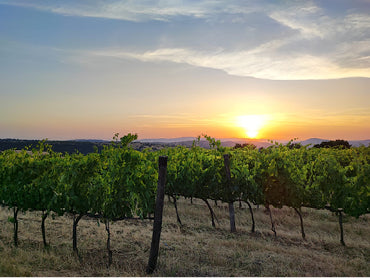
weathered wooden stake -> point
(232, 217)
(231, 204)
(157, 225)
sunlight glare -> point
(252, 124)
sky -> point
(75, 69)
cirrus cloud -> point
(286, 40)
(258, 63)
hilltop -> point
(86, 146)
(230, 142)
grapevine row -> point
(120, 183)
(333, 179)
(117, 183)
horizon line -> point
(184, 137)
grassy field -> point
(195, 249)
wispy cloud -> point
(260, 62)
(285, 40)
(133, 10)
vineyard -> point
(120, 184)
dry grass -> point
(195, 249)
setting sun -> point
(252, 124)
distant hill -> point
(312, 141)
(71, 146)
(91, 140)
(168, 140)
(353, 143)
(359, 143)
(188, 141)
(86, 146)
(230, 142)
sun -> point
(252, 124)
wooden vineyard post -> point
(231, 203)
(157, 225)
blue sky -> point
(88, 69)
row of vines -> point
(120, 183)
(320, 178)
(116, 184)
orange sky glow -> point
(229, 69)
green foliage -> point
(121, 182)
(338, 144)
(118, 183)
(194, 172)
(11, 219)
(127, 139)
(245, 145)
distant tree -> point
(295, 146)
(245, 145)
(337, 144)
